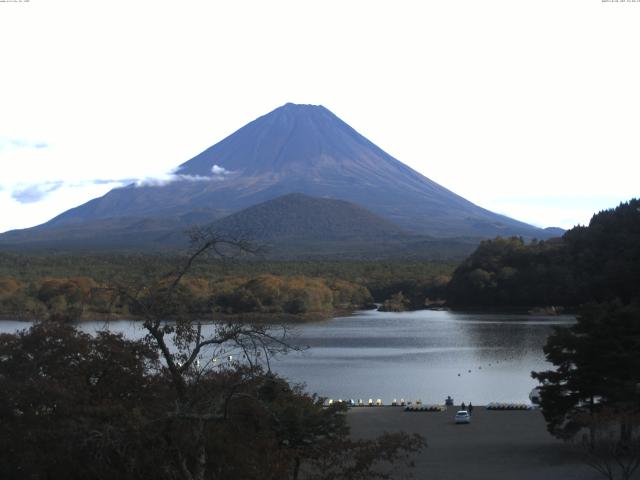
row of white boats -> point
(418, 405)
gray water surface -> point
(423, 355)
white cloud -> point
(219, 171)
(24, 215)
(18, 143)
(34, 193)
(37, 192)
(172, 177)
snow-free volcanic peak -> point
(308, 149)
(305, 149)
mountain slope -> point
(296, 226)
(307, 149)
(293, 226)
(299, 216)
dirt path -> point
(496, 445)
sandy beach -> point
(496, 445)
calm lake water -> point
(423, 355)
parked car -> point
(462, 416)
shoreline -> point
(288, 318)
(269, 318)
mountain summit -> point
(298, 142)
(304, 149)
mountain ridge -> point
(288, 216)
(296, 148)
(293, 226)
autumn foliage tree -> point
(75, 406)
(193, 400)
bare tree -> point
(191, 347)
(223, 391)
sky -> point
(527, 108)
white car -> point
(462, 416)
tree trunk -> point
(625, 431)
(592, 426)
(201, 455)
(296, 468)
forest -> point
(598, 262)
(74, 287)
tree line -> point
(599, 262)
(76, 298)
(60, 285)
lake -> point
(423, 355)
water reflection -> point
(426, 354)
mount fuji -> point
(302, 149)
